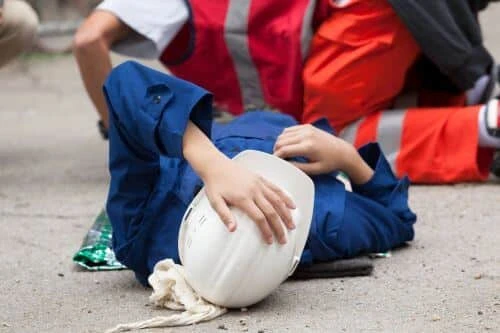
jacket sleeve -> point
(377, 216)
(149, 112)
(154, 108)
(384, 188)
(449, 34)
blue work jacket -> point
(152, 184)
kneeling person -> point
(164, 148)
(18, 26)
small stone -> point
(97, 282)
(480, 313)
(18, 281)
(333, 289)
(5, 325)
(260, 331)
(60, 274)
(435, 318)
(222, 327)
(90, 311)
(478, 276)
(243, 322)
(147, 304)
(244, 329)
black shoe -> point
(102, 130)
(359, 266)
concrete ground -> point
(53, 181)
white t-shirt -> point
(157, 22)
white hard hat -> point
(239, 269)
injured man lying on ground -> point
(164, 148)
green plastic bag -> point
(96, 253)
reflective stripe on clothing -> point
(382, 127)
(349, 133)
(430, 145)
(307, 31)
(236, 37)
(250, 53)
(389, 135)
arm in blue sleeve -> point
(149, 112)
(377, 216)
(384, 188)
(154, 108)
(369, 227)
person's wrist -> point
(349, 158)
(357, 169)
(204, 160)
(211, 164)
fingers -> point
(221, 208)
(312, 169)
(256, 214)
(269, 209)
(296, 128)
(294, 150)
(281, 195)
(295, 141)
(264, 203)
(276, 205)
(287, 140)
(280, 208)
(272, 219)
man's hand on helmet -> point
(229, 184)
